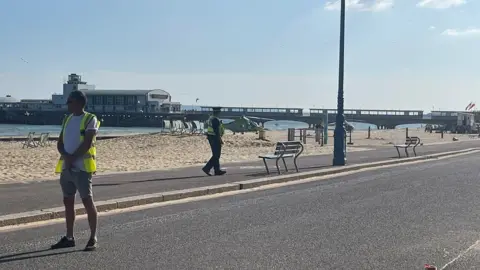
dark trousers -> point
(214, 161)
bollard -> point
(301, 131)
(350, 139)
(261, 134)
(442, 134)
(291, 134)
(325, 128)
(369, 129)
(406, 133)
(319, 136)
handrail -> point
(301, 151)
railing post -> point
(291, 134)
(325, 128)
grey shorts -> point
(71, 181)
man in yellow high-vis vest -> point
(76, 145)
(215, 131)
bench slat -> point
(412, 140)
(296, 148)
(402, 145)
(291, 142)
(409, 142)
(292, 152)
(276, 156)
(287, 144)
(291, 149)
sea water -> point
(23, 130)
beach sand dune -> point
(159, 152)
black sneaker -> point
(207, 172)
(220, 173)
(91, 245)
(64, 243)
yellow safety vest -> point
(89, 158)
(210, 130)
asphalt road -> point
(18, 198)
(392, 218)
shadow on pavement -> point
(148, 180)
(273, 171)
(162, 179)
(31, 255)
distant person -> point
(76, 145)
(215, 131)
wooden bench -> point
(410, 142)
(291, 149)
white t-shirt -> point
(71, 137)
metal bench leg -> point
(266, 166)
(285, 164)
(414, 152)
(406, 152)
(398, 151)
(276, 163)
(295, 163)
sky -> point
(408, 54)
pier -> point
(383, 119)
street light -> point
(339, 158)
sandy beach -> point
(160, 151)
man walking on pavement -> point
(215, 131)
(76, 145)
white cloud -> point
(457, 33)
(432, 27)
(440, 4)
(361, 5)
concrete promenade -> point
(20, 197)
(391, 218)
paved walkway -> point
(17, 198)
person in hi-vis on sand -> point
(76, 166)
(215, 131)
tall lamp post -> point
(339, 158)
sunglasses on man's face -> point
(69, 101)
